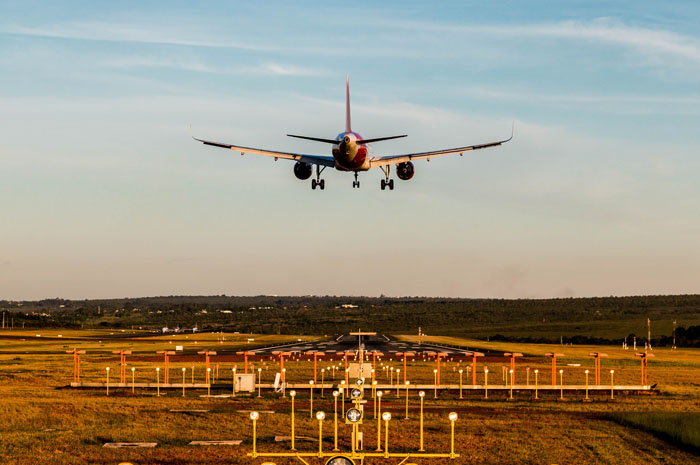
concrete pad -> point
(189, 411)
(259, 411)
(129, 445)
(235, 442)
(296, 438)
(217, 396)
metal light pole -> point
(158, 381)
(386, 416)
(407, 383)
(612, 384)
(254, 416)
(311, 401)
(335, 420)
(107, 369)
(323, 372)
(233, 388)
(259, 381)
(435, 373)
(511, 384)
(183, 381)
(586, 384)
(209, 382)
(422, 396)
(379, 421)
(561, 384)
(133, 370)
(460, 383)
(320, 416)
(486, 382)
(292, 394)
(536, 372)
(453, 418)
(342, 392)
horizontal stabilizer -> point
(378, 139)
(317, 139)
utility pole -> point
(3, 321)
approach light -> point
(292, 393)
(320, 415)
(422, 393)
(335, 393)
(356, 393)
(254, 415)
(386, 416)
(353, 415)
(453, 416)
(360, 381)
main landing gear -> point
(321, 183)
(387, 182)
(356, 183)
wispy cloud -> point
(116, 32)
(642, 39)
(197, 65)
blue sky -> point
(104, 194)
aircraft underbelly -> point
(349, 161)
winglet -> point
(347, 103)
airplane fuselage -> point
(350, 154)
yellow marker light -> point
(379, 421)
(386, 416)
(320, 415)
(453, 417)
(254, 416)
(292, 394)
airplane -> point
(350, 152)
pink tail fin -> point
(347, 104)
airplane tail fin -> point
(347, 104)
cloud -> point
(196, 65)
(648, 41)
(115, 32)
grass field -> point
(42, 419)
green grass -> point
(675, 427)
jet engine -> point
(302, 170)
(405, 171)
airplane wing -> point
(396, 159)
(310, 159)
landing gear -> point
(321, 183)
(356, 183)
(387, 182)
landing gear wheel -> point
(313, 184)
(391, 185)
(356, 183)
(322, 184)
(383, 184)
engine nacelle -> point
(405, 171)
(302, 170)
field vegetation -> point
(602, 320)
(43, 418)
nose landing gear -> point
(356, 183)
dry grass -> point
(42, 419)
